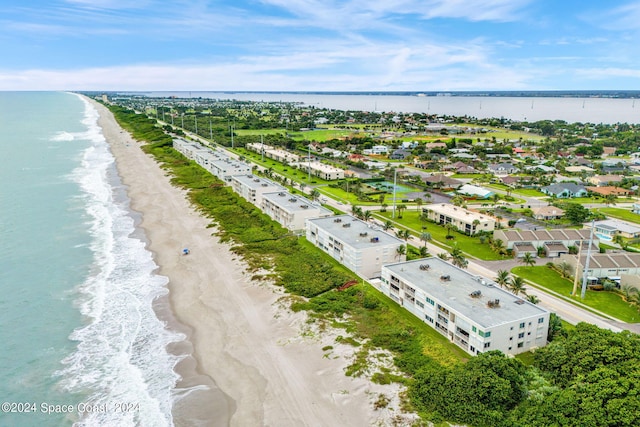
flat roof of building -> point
(255, 182)
(458, 212)
(354, 232)
(456, 293)
(293, 203)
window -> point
(520, 344)
(430, 301)
(481, 333)
(487, 345)
(421, 305)
(474, 329)
(510, 338)
(509, 348)
(487, 334)
(541, 320)
(521, 335)
(528, 333)
(429, 318)
(522, 325)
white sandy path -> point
(250, 348)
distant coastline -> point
(617, 94)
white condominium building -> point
(359, 246)
(470, 311)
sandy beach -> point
(252, 362)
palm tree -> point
(388, 225)
(401, 207)
(458, 259)
(418, 203)
(619, 240)
(565, 269)
(425, 237)
(476, 223)
(502, 279)
(400, 251)
(555, 327)
(383, 207)
(444, 256)
(610, 199)
(366, 215)
(424, 252)
(315, 194)
(404, 234)
(449, 228)
(533, 299)
(457, 200)
(528, 259)
(516, 286)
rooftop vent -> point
(264, 184)
(445, 278)
(364, 234)
(292, 199)
(281, 194)
(256, 180)
(519, 301)
(347, 225)
(374, 239)
(304, 206)
(425, 267)
(337, 220)
(475, 294)
(493, 303)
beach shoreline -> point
(245, 360)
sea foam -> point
(121, 355)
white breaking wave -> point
(121, 355)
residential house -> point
(359, 246)
(602, 180)
(502, 168)
(475, 191)
(565, 190)
(377, 150)
(277, 154)
(400, 154)
(470, 311)
(609, 228)
(547, 213)
(442, 181)
(607, 190)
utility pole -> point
(210, 130)
(262, 146)
(195, 120)
(586, 264)
(395, 179)
(309, 161)
(575, 279)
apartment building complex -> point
(470, 311)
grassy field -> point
(469, 245)
(623, 214)
(526, 192)
(610, 303)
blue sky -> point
(320, 45)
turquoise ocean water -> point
(77, 326)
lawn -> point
(344, 197)
(525, 192)
(469, 245)
(280, 168)
(624, 214)
(610, 303)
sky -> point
(320, 45)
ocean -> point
(81, 341)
